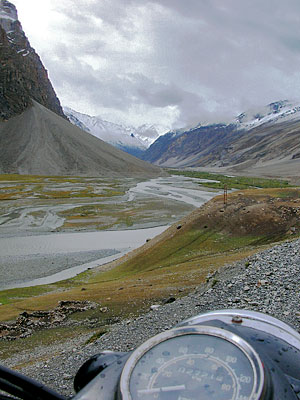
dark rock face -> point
(22, 74)
(14, 99)
(202, 143)
(159, 148)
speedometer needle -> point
(162, 389)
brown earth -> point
(271, 213)
(266, 215)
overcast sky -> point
(169, 62)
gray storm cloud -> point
(175, 62)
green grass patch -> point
(288, 194)
(236, 182)
(97, 335)
(21, 178)
(181, 249)
(9, 296)
(113, 192)
(71, 194)
(93, 187)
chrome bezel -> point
(251, 319)
(248, 351)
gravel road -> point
(268, 282)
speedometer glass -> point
(193, 363)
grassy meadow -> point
(232, 182)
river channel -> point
(31, 256)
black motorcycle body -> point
(220, 355)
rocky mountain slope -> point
(115, 134)
(22, 74)
(35, 135)
(134, 141)
(260, 139)
(40, 142)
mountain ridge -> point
(127, 138)
(114, 134)
(39, 142)
(250, 142)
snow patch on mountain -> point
(126, 138)
(111, 133)
(273, 113)
(278, 111)
(5, 15)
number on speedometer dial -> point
(193, 363)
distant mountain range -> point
(35, 135)
(260, 140)
(279, 111)
(132, 140)
(265, 138)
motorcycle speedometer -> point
(200, 362)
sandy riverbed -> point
(30, 254)
(32, 260)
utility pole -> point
(225, 194)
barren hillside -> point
(40, 142)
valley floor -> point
(193, 261)
(275, 169)
(82, 223)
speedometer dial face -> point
(191, 364)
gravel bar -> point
(268, 282)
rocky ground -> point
(268, 282)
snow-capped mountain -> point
(132, 140)
(255, 139)
(279, 111)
